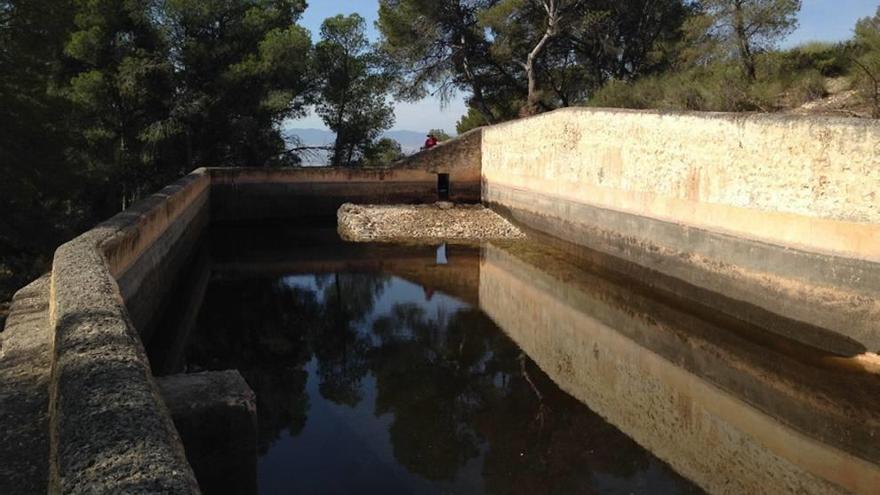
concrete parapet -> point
(147, 254)
(215, 413)
(109, 429)
(460, 157)
(25, 368)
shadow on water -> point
(510, 368)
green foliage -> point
(867, 62)
(242, 67)
(749, 27)
(784, 80)
(471, 120)
(382, 153)
(121, 86)
(440, 134)
(438, 47)
(38, 187)
(104, 101)
(829, 59)
(809, 87)
(484, 48)
(352, 88)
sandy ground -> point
(436, 222)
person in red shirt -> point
(430, 142)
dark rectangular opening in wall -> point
(443, 187)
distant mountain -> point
(310, 137)
(407, 139)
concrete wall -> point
(778, 211)
(148, 253)
(317, 193)
(109, 429)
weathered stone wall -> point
(459, 157)
(159, 236)
(778, 211)
(109, 429)
(665, 164)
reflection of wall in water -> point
(709, 435)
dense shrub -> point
(784, 79)
(867, 61)
(830, 59)
(809, 87)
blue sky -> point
(820, 20)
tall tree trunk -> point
(552, 9)
(337, 148)
(745, 50)
(477, 88)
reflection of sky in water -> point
(343, 446)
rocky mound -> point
(443, 222)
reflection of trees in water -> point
(269, 331)
(455, 385)
(542, 440)
(458, 385)
(431, 375)
(342, 352)
(255, 326)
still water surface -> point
(370, 383)
(406, 369)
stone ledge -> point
(109, 430)
(108, 422)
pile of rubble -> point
(441, 221)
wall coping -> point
(778, 117)
(100, 373)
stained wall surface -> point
(778, 211)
